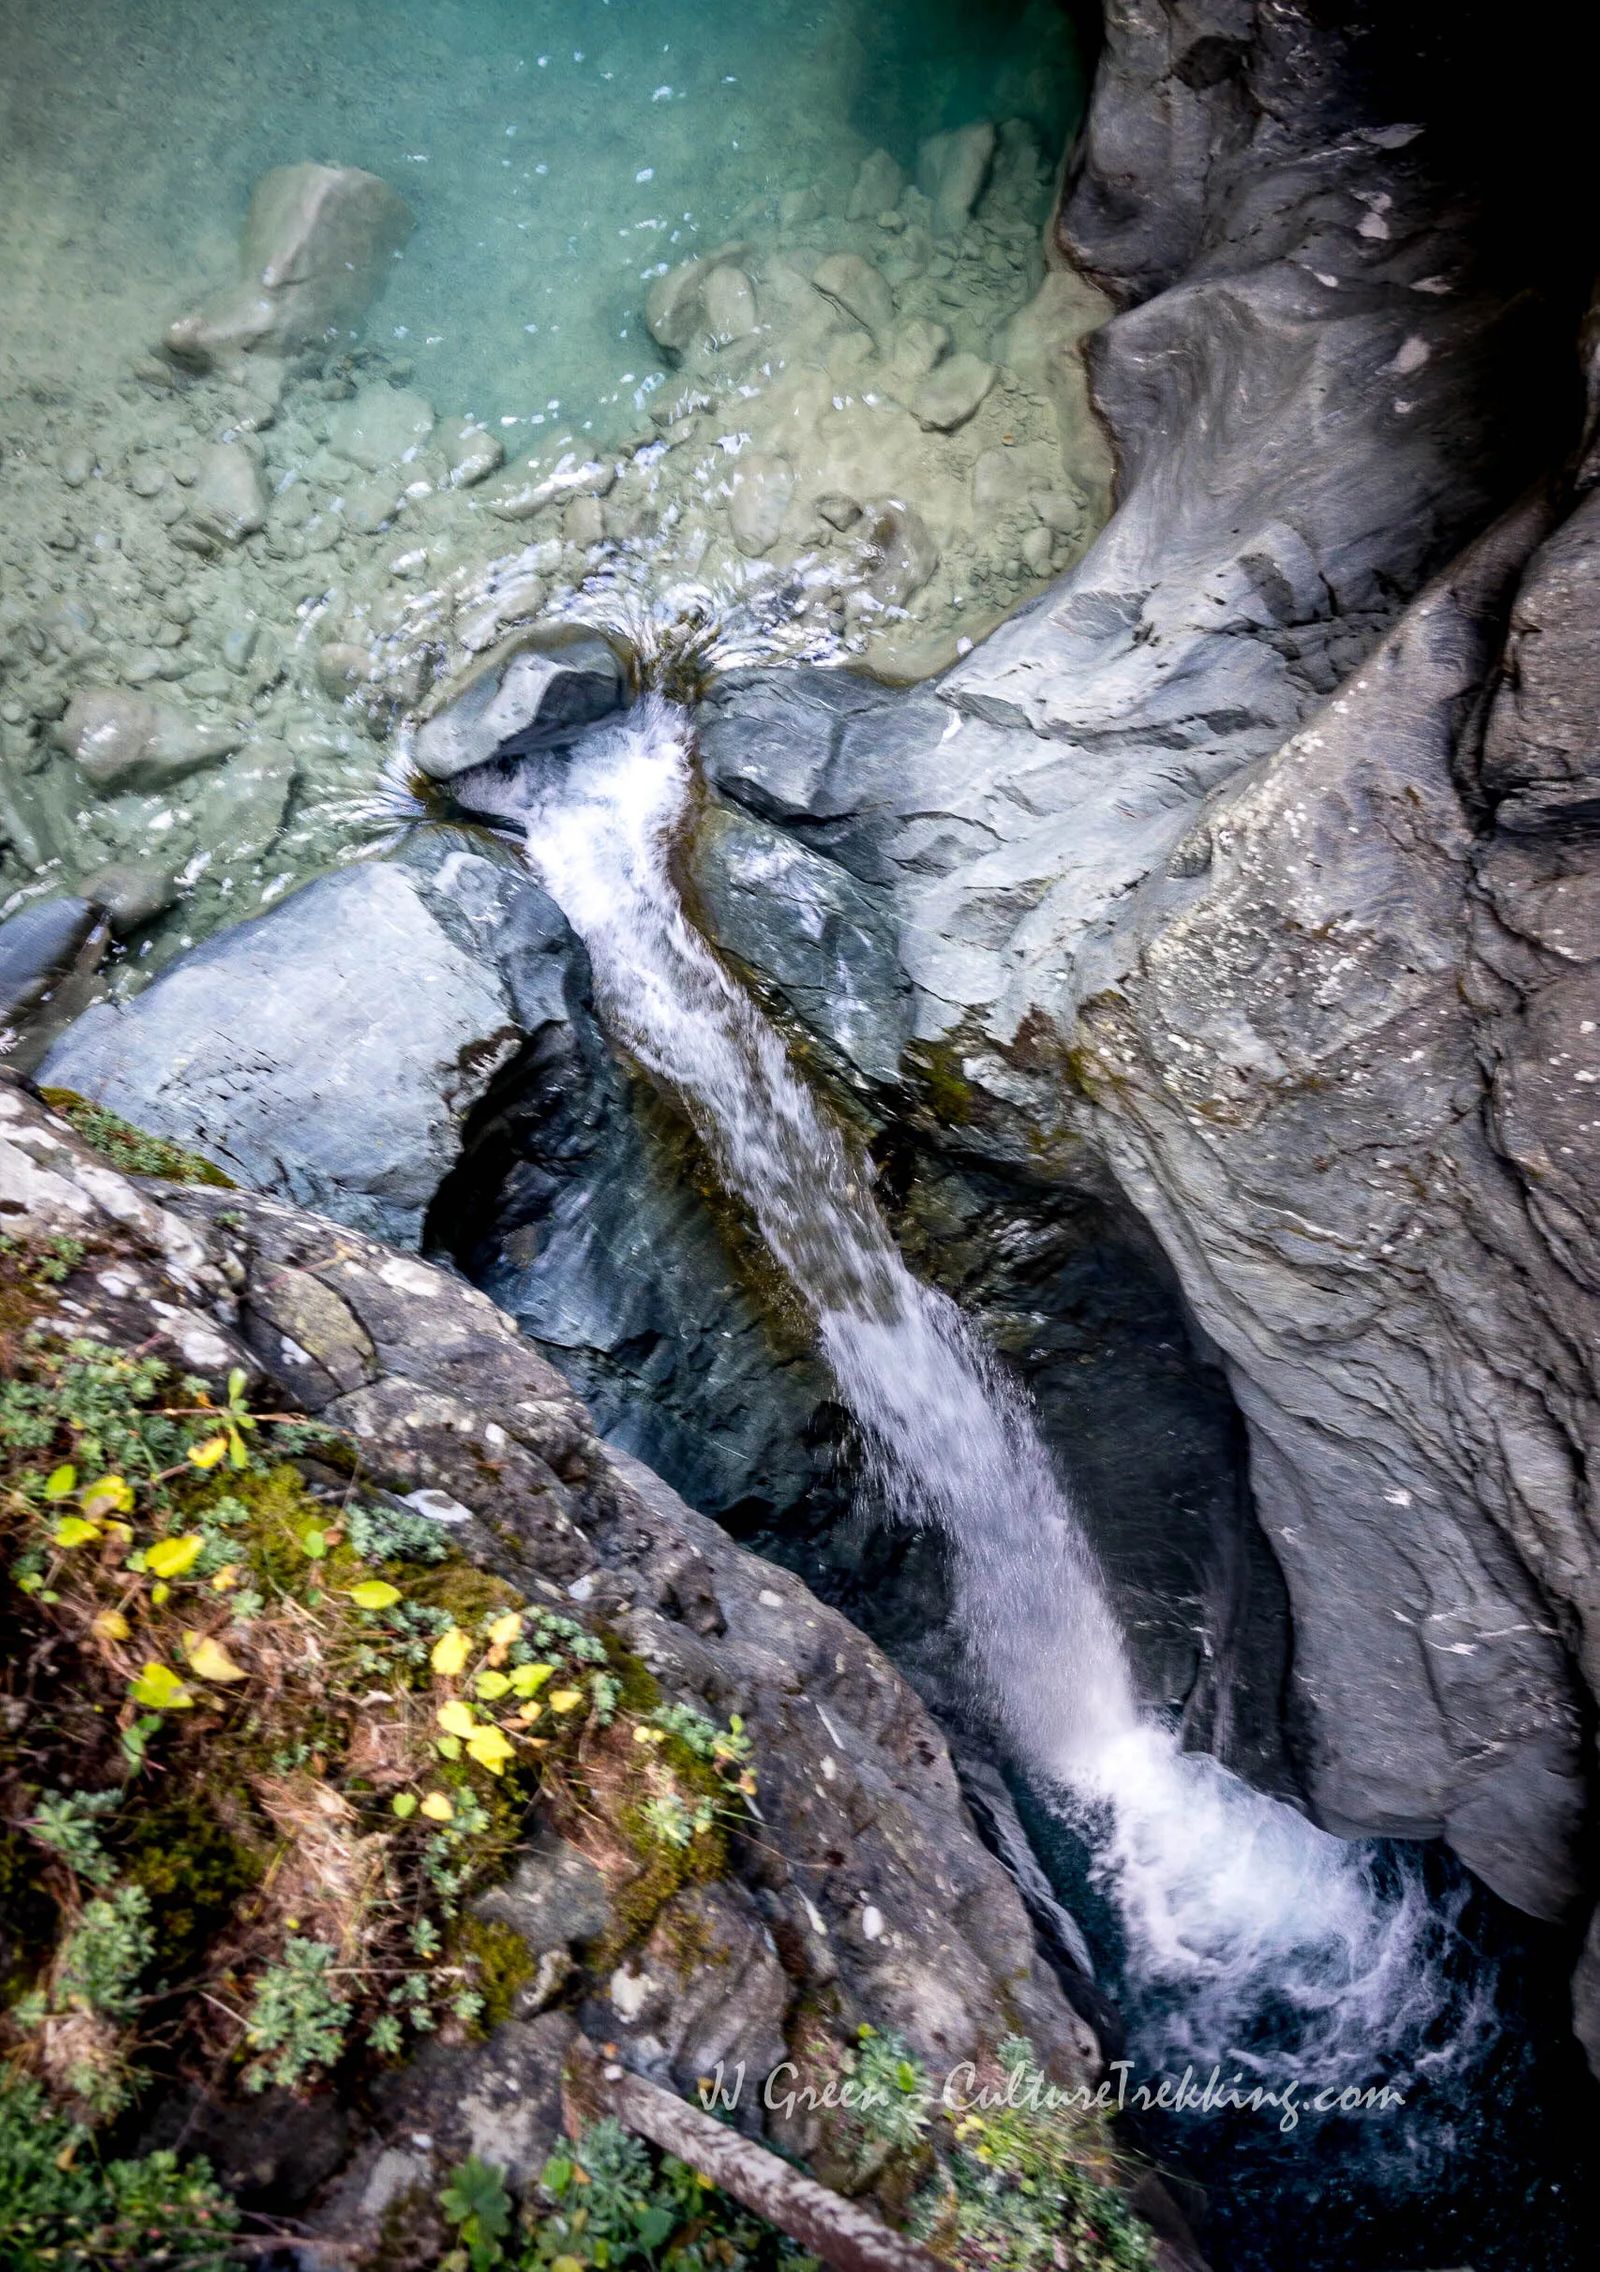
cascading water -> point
(1233, 1907)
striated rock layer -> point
(1233, 871)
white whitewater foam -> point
(1233, 1905)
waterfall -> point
(1230, 1903)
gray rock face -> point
(806, 929)
(1194, 876)
(1286, 1078)
(554, 1898)
(314, 244)
(47, 952)
(331, 1049)
(520, 703)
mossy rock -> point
(937, 1071)
(502, 1965)
(191, 1865)
(133, 1150)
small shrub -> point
(296, 2016)
(476, 2202)
(611, 2202)
(63, 2210)
(101, 1962)
(69, 1823)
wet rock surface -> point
(1311, 981)
(331, 1049)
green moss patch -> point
(132, 1149)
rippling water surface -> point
(554, 151)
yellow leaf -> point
(111, 1625)
(225, 1580)
(112, 1495)
(159, 1687)
(210, 1659)
(527, 1680)
(170, 1557)
(506, 1629)
(489, 1685)
(374, 1593)
(160, 1592)
(437, 1807)
(529, 1712)
(456, 1718)
(490, 1747)
(210, 1452)
(449, 1653)
(565, 1699)
(60, 1482)
(72, 1530)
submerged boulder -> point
(952, 169)
(121, 739)
(315, 241)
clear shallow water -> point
(555, 152)
(558, 156)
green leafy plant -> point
(476, 2202)
(383, 1533)
(132, 1149)
(102, 1960)
(1027, 2188)
(63, 2210)
(297, 2018)
(611, 2203)
(69, 1823)
(895, 2098)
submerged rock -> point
(382, 426)
(861, 290)
(951, 171)
(901, 553)
(121, 739)
(132, 892)
(762, 488)
(229, 500)
(312, 254)
(676, 309)
(470, 451)
(950, 396)
(877, 187)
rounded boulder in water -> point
(527, 702)
(47, 952)
(132, 893)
